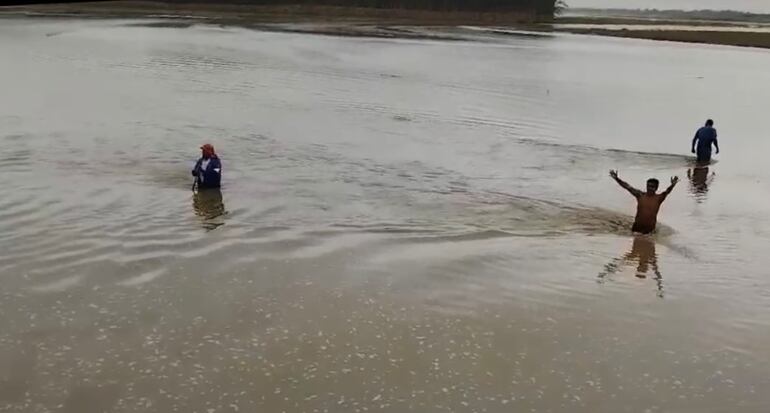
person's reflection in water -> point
(208, 204)
(643, 255)
(700, 181)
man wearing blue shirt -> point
(704, 138)
(208, 169)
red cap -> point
(208, 150)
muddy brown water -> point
(405, 225)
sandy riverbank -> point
(728, 38)
(731, 33)
(350, 21)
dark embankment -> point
(537, 7)
(426, 12)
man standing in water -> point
(704, 138)
(647, 203)
(208, 169)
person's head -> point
(208, 151)
(652, 185)
(710, 122)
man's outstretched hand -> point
(613, 173)
(674, 180)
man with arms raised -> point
(647, 203)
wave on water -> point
(468, 215)
(168, 24)
(507, 32)
(660, 160)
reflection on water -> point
(209, 206)
(700, 180)
(643, 256)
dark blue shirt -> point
(211, 175)
(705, 137)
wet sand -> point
(718, 37)
(688, 31)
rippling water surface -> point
(404, 225)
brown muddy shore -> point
(719, 32)
(326, 20)
(366, 22)
(256, 13)
(726, 38)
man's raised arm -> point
(674, 181)
(633, 191)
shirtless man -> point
(647, 203)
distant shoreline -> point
(321, 20)
(724, 38)
(692, 31)
(384, 23)
(244, 14)
(709, 16)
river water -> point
(405, 225)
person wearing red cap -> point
(208, 169)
